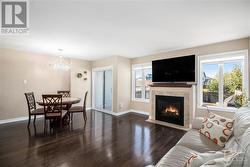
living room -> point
(125, 83)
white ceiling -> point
(93, 29)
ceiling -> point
(94, 29)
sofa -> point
(194, 142)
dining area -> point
(57, 109)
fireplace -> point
(170, 109)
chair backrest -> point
(84, 101)
(31, 102)
(64, 93)
(52, 104)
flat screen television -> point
(180, 69)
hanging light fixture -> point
(60, 63)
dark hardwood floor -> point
(105, 140)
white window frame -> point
(219, 59)
(136, 67)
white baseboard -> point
(111, 112)
(123, 112)
(104, 111)
(139, 112)
(88, 108)
(4, 121)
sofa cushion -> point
(232, 144)
(218, 134)
(198, 142)
(176, 157)
(197, 123)
(242, 121)
(220, 158)
(244, 145)
(230, 160)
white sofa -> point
(194, 142)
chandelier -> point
(60, 63)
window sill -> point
(215, 108)
(141, 100)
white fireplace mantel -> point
(189, 104)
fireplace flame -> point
(172, 109)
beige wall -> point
(17, 66)
(121, 80)
(123, 84)
(78, 86)
(234, 45)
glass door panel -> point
(108, 90)
(102, 89)
(98, 89)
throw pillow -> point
(219, 120)
(218, 134)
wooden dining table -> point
(66, 101)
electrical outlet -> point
(120, 106)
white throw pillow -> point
(218, 134)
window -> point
(141, 79)
(221, 78)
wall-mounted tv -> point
(179, 69)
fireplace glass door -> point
(170, 109)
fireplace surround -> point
(187, 93)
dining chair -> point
(77, 109)
(53, 108)
(64, 93)
(31, 102)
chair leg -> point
(84, 116)
(44, 125)
(34, 119)
(60, 122)
(71, 117)
(49, 124)
(35, 129)
(29, 121)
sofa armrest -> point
(197, 122)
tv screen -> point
(180, 69)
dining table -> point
(67, 102)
